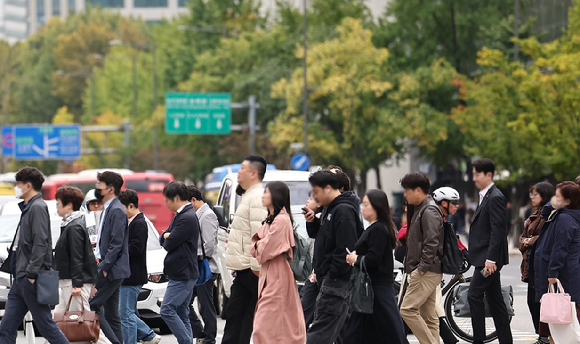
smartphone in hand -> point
(485, 273)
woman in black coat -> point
(376, 246)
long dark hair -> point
(545, 190)
(380, 202)
(280, 195)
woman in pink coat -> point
(279, 317)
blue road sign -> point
(42, 142)
(300, 162)
(8, 141)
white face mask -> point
(17, 192)
(556, 203)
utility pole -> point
(516, 29)
(134, 65)
(305, 105)
(252, 123)
(155, 127)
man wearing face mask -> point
(112, 253)
(32, 252)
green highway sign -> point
(198, 113)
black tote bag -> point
(361, 296)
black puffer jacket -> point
(74, 255)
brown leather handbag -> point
(78, 326)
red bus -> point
(149, 187)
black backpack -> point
(451, 257)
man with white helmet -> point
(447, 199)
(93, 207)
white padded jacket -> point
(247, 220)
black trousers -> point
(21, 299)
(241, 308)
(331, 312)
(533, 305)
(490, 287)
(204, 294)
(106, 304)
(308, 295)
(385, 325)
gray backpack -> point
(301, 264)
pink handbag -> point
(555, 307)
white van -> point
(227, 204)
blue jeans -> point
(21, 299)
(175, 309)
(133, 327)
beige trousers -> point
(65, 291)
(419, 306)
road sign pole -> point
(252, 124)
(126, 133)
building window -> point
(71, 6)
(106, 3)
(40, 12)
(150, 3)
(55, 7)
(16, 2)
(182, 3)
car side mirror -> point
(219, 212)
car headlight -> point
(158, 278)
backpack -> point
(451, 257)
(301, 264)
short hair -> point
(571, 192)
(175, 189)
(129, 196)
(323, 179)
(484, 165)
(415, 180)
(31, 175)
(545, 190)
(70, 195)
(342, 177)
(259, 164)
(112, 179)
(194, 192)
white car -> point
(227, 204)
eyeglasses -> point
(533, 194)
(455, 202)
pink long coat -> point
(279, 318)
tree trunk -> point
(378, 176)
(454, 37)
(362, 187)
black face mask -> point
(98, 195)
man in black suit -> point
(488, 253)
(112, 252)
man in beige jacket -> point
(247, 220)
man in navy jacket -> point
(180, 242)
(112, 253)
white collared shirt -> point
(181, 209)
(133, 217)
(484, 192)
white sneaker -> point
(155, 340)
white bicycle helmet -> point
(89, 197)
(446, 194)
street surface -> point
(522, 328)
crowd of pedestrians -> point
(265, 303)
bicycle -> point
(460, 326)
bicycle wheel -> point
(462, 327)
